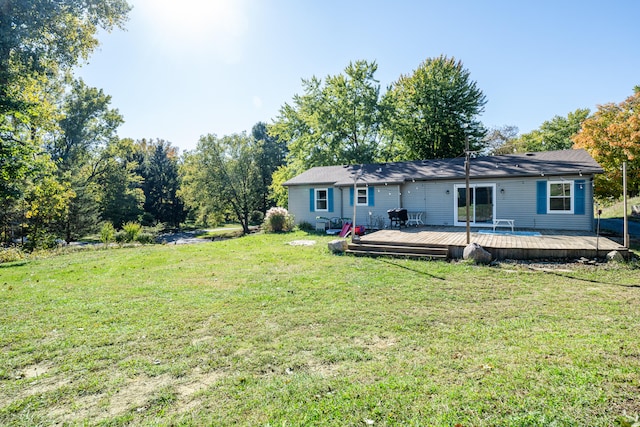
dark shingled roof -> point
(543, 163)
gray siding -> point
(386, 197)
(517, 202)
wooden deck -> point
(551, 243)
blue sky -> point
(186, 68)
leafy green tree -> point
(335, 122)
(433, 109)
(271, 154)
(612, 136)
(46, 203)
(159, 171)
(23, 165)
(88, 123)
(120, 197)
(40, 42)
(277, 192)
(554, 134)
(42, 37)
(23, 133)
(222, 174)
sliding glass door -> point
(482, 206)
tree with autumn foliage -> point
(612, 136)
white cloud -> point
(204, 26)
(257, 102)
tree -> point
(612, 136)
(498, 140)
(46, 203)
(277, 192)
(23, 133)
(554, 134)
(159, 170)
(222, 174)
(435, 108)
(42, 37)
(120, 197)
(87, 124)
(271, 154)
(40, 42)
(335, 122)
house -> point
(541, 190)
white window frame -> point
(571, 197)
(317, 199)
(366, 196)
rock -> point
(476, 253)
(615, 256)
(338, 245)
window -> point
(363, 197)
(560, 198)
(321, 199)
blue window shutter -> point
(371, 201)
(578, 198)
(330, 197)
(541, 197)
(312, 202)
(351, 196)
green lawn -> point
(254, 331)
(616, 209)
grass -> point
(254, 331)
(616, 209)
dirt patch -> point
(33, 371)
(135, 395)
(198, 381)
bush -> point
(305, 226)
(107, 233)
(146, 238)
(121, 237)
(131, 231)
(278, 219)
(256, 218)
(11, 254)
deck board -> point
(551, 243)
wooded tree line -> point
(64, 171)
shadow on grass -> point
(424, 273)
(580, 279)
(13, 264)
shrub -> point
(146, 238)
(121, 237)
(305, 226)
(256, 217)
(107, 233)
(278, 219)
(11, 254)
(131, 231)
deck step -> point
(398, 250)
